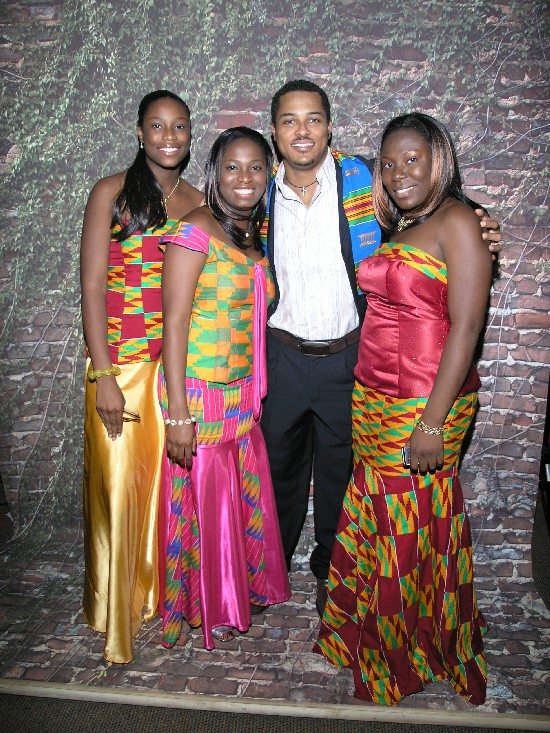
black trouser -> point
(307, 423)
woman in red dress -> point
(401, 608)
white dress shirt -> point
(316, 301)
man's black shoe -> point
(321, 600)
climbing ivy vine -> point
(476, 65)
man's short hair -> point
(299, 85)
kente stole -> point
(357, 203)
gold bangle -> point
(427, 429)
(97, 373)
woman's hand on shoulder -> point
(460, 232)
(490, 231)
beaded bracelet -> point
(114, 370)
(180, 423)
(427, 429)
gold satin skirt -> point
(121, 497)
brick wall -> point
(490, 89)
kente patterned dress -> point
(401, 608)
(218, 520)
(122, 477)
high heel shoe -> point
(223, 633)
(256, 610)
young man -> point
(320, 225)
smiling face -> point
(302, 131)
(406, 160)
(243, 176)
(165, 133)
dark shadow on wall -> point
(6, 519)
(544, 473)
(540, 544)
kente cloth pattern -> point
(357, 204)
(121, 486)
(218, 523)
(408, 322)
(218, 520)
(134, 307)
(221, 332)
(401, 608)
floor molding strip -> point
(154, 698)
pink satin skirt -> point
(218, 529)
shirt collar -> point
(326, 172)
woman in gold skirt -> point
(121, 265)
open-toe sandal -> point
(223, 633)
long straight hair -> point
(141, 199)
(445, 176)
(223, 214)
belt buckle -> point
(315, 348)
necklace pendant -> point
(301, 189)
(403, 223)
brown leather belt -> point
(316, 348)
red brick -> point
(172, 683)
(540, 389)
(527, 302)
(504, 570)
(494, 351)
(258, 105)
(532, 320)
(525, 569)
(225, 121)
(319, 65)
(319, 47)
(213, 686)
(266, 646)
(38, 674)
(299, 634)
(535, 338)
(9, 55)
(276, 690)
(405, 53)
(514, 402)
(527, 286)
(527, 690)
